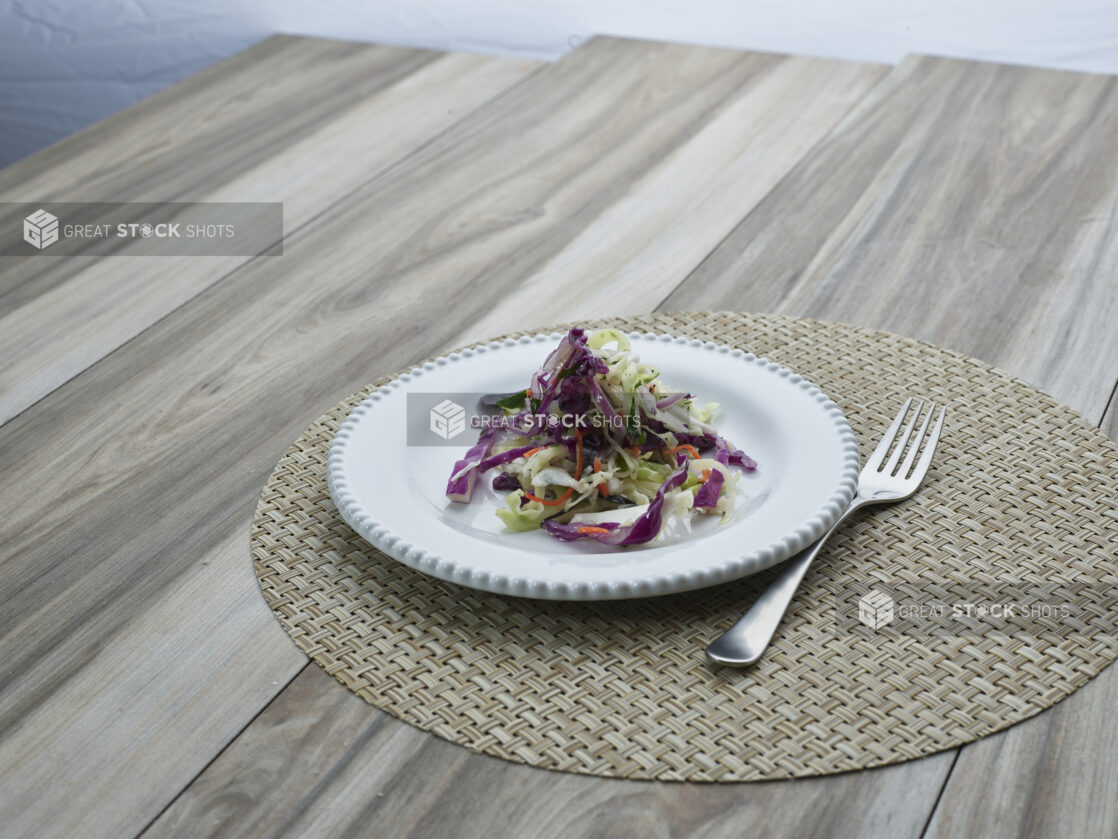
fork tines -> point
(922, 439)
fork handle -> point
(744, 643)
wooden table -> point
(432, 199)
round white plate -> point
(393, 494)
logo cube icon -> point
(448, 419)
(875, 610)
(40, 229)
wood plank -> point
(689, 201)
(281, 97)
(300, 121)
(971, 205)
(128, 686)
(319, 761)
(187, 140)
(1053, 775)
(145, 464)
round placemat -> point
(981, 601)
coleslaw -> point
(598, 447)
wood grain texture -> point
(1054, 775)
(687, 202)
(87, 743)
(967, 204)
(186, 141)
(300, 121)
(142, 470)
(319, 761)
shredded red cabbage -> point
(733, 457)
(643, 529)
(460, 487)
(707, 496)
(667, 402)
(503, 457)
(506, 481)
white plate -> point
(393, 494)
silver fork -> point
(744, 643)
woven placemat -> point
(1013, 536)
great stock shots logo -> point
(875, 609)
(448, 419)
(57, 229)
(40, 229)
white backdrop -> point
(67, 63)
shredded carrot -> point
(635, 450)
(585, 530)
(561, 499)
(706, 475)
(531, 452)
(602, 491)
(687, 447)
